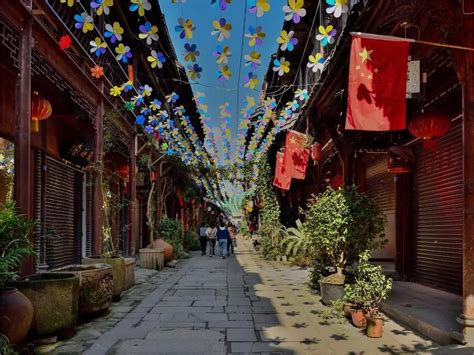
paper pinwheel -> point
(178, 1)
(138, 100)
(224, 73)
(185, 28)
(128, 106)
(337, 7)
(190, 52)
(102, 6)
(259, 7)
(148, 33)
(294, 11)
(84, 22)
(149, 129)
(223, 4)
(155, 105)
(69, 3)
(326, 35)
(180, 110)
(253, 59)
(251, 80)
(140, 6)
(127, 86)
(316, 62)
(250, 101)
(114, 32)
(115, 90)
(145, 90)
(64, 42)
(97, 46)
(287, 41)
(140, 119)
(302, 94)
(123, 53)
(194, 71)
(221, 29)
(255, 36)
(294, 105)
(97, 71)
(282, 66)
(222, 54)
(172, 98)
(156, 59)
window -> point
(6, 170)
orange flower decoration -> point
(97, 71)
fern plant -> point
(15, 243)
(295, 240)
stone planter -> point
(331, 292)
(118, 271)
(96, 286)
(129, 272)
(152, 258)
(55, 299)
(161, 244)
(16, 315)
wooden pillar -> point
(159, 190)
(132, 190)
(97, 198)
(22, 154)
(466, 72)
(403, 187)
(23, 176)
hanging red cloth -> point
(296, 156)
(377, 84)
(281, 180)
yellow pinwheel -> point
(115, 90)
(102, 6)
(221, 29)
(259, 7)
(294, 10)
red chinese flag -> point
(281, 180)
(296, 156)
(377, 85)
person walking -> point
(222, 236)
(203, 238)
(230, 241)
(211, 233)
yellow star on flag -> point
(365, 54)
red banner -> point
(296, 156)
(377, 85)
(281, 180)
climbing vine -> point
(270, 210)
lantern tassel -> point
(34, 125)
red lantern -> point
(40, 110)
(153, 176)
(428, 126)
(124, 170)
(316, 151)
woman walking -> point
(203, 238)
(222, 235)
(230, 241)
(211, 237)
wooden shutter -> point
(63, 214)
(437, 256)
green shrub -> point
(171, 230)
(191, 240)
(371, 286)
(341, 224)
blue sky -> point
(202, 14)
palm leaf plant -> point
(295, 240)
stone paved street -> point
(243, 304)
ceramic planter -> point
(96, 286)
(331, 292)
(16, 315)
(374, 327)
(118, 271)
(55, 299)
(358, 318)
(161, 244)
(347, 309)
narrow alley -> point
(243, 304)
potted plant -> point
(340, 224)
(370, 288)
(16, 310)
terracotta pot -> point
(55, 299)
(161, 244)
(374, 327)
(347, 309)
(96, 286)
(358, 318)
(16, 314)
